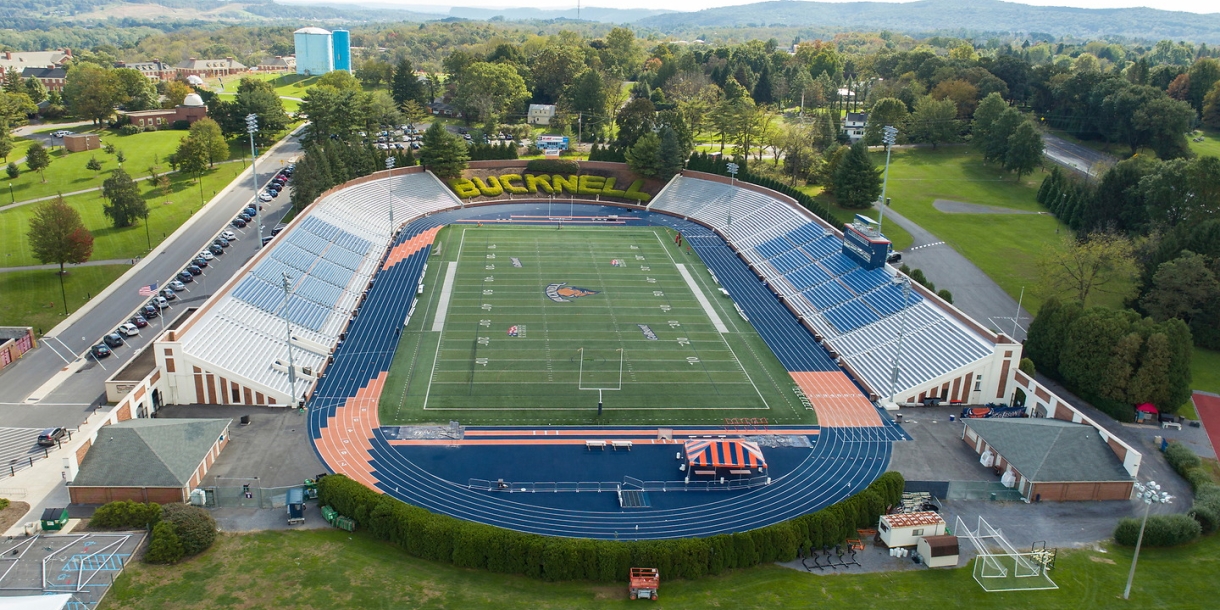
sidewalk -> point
(113, 261)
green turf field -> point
(620, 320)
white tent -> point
(35, 602)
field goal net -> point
(999, 566)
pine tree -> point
(443, 153)
(37, 159)
(669, 155)
(1151, 382)
(857, 183)
(643, 156)
(405, 85)
(124, 203)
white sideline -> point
(442, 308)
(703, 302)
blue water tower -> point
(343, 50)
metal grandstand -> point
(855, 311)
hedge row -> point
(475, 545)
(704, 162)
(1206, 508)
(126, 514)
(553, 166)
(1162, 530)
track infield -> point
(530, 325)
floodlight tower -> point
(389, 165)
(902, 329)
(292, 372)
(1150, 493)
(252, 128)
(889, 136)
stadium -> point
(684, 359)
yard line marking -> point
(702, 298)
(442, 309)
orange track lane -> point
(345, 442)
(409, 247)
(837, 401)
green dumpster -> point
(329, 514)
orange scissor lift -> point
(644, 583)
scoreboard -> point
(864, 243)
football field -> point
(536, 325)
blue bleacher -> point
(294, 257)
(805, 234)
(810, 275)
(321, 228)
(838, 264)
(322, 293)
(888, 300)
(307, 241)
(773, 248)
(851, 315)
(827, 295)
(344, 258)
(351, 242)
(261, 294)
(789, 261)
(865, 280)
(331, 273)
(305, 313)
(821, 248)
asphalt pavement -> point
(1074, 156)
(80, 392)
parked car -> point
(228, 236)
(278, 228)
(264, 197)
(113, 340)
(128, 329)
(100, 351)
(139, 321)
(250, 211)
(51, 436)
(168, 294)
(159, 302)
(894, 257)
(61, 133)
(216, 250)
(178, 285)
(200, 262)
(239, 222)
(207, 256)
(186, 277)
(245, 218)
(195, 269)
(150, 312)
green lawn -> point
(1204, 376)
(32, 298)
(166, 213)
(1004, 246)
(1210, 146)
(897, 235)
(680, 369)
(334, 570)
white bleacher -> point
(330, 254)
(935, 343)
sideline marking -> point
(442, 308)
(703, 302)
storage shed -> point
(938, 551)
(905, 529)
(79, 142)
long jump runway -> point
(841, 457)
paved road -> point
(71, 401)
(1074, 156)
(974, 292)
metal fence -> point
(242, 496)
(613, 487)
(982, 490)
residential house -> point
(854, 125)
(541, 114)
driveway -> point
(1073, 156)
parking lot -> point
(83, 565)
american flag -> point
(149, 290)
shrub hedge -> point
(553, 166)
(475, 545)
(1162, 530)
(165, 547)
(193, 525)
(126, 514)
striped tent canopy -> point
(724, 453)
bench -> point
(1170, 424)
(598, 444)
(745, 472)
(621, 445)
(706, 472)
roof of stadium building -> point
(724, 453)
(1050, 450)
(855, 310)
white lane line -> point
(707, 306)
(438, 324)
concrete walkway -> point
(974, 292)
(113, 261)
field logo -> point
(562, 293)
(617, 262)
(513, 331)
(516, 261)
(648, 334)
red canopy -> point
(1147, 408)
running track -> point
(850, 449)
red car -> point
(139, 321)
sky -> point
(1194, 6)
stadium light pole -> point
(902, 329)
(389, 165)
(889, 136)
(292, 373)
(1150, 493)
(732, 169)
(252, 128)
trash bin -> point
(952, 418)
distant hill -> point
(953, 15)
(604, 15)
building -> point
(1050, 459)
(905, 529)
(315, 51)
(854, 125)
(541, 114)
(80, 142)
(52, 77)
(191, 110)
(210, 68)
(148, 460)
(19, 61)
(341, 43)
(443, 109)
(15, 341)
(155, 70)
(939, 551)
(278, 64)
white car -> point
(129, 329)
(61, 133)
(207, 256)
(264, 197)
(229, 235)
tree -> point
(37, 159)
(588, 97)
(211, 140)
(135, 91)
(889, 111)
(91, 91)
(995, 148)
(339, 79)
(443, 153)
(1024, 150)
(191, 156)
(671, 155)
(255, 97)
(988, 111)
(6, 139)
(57, 235)
(857, 184)
(373, 73)
(488, 90)
(194, 526)
(1204, 74)
(1211, 107)
(964, 95)
(643, 156)
(635, 119)
(404, 84)
(175, 91)
(1048, 334)
(165, 547)
(125, 205)
(553, 69)
(93, 164)
(1181, 288)
(1101, 262)
(34, 88)
(12, 170)
(933, 121)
